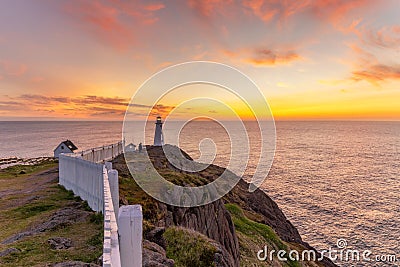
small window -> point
(62, 147)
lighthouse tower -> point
(158, 135)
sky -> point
(312, 59)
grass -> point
(133, 194)
(253, 236)
(35, 251)
(189, 248)
(25, 170)
(24, 208)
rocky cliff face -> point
(213, 220)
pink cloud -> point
(8, 68)
(335, 12)
(207, 8)
(386, 37)
(260, 10)
(154, 7)
(114, 22)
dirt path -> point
(35, 211)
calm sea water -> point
(332, 179)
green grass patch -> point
(35, 250)
(30, 210)
(96, 240)
(25, 170)
(188, 248)
(133, 194)
(253, 236)
(35, 208)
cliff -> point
(227, 232)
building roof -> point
(131, 144)
(70, 145)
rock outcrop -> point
(59, 243)
(61, 218)
(212, 220)
(155, 256)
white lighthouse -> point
(158, 135)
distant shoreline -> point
(13, 161)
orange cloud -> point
(264, 56)
(371, 70)
(80, 106)
(267, 10)
(377, 73)
(161, 110)
(269, 58)
(257, 7)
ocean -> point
(332, 179)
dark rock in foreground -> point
(59, 243)
(8, 251)
(154, 255)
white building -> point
(130, 148)
(64, 147)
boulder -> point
(59, 243)
(154, 256)
(8, 251)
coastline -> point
(278, 232)
(14, 161)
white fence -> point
(98, 185)
(111, 252)
(102, 153)
(84, 178)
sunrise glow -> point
(312, 59)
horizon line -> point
(227, 120)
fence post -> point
(130, 231)
(114, 188)
(108, 165)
